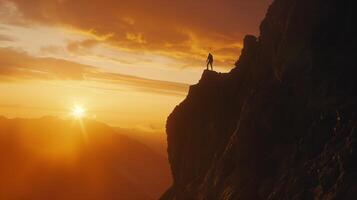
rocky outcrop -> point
(282, 124)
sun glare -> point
(78, 111)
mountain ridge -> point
(52, 158)
(281, 124)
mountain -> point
(51, 158)
(282, 124)
(155, 140)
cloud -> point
(79, 47)
(186, 29)
(6, 38)
(19, 66)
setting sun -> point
(78, 111)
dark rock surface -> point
(282, 124)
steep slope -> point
(282, 123)
(49, 158)
(155, 140)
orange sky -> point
(127, 62)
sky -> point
(128, 63)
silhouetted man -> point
(210, 61)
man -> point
(210, 61)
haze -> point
(128, 62)
(87, 85)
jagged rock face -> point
(282, 124)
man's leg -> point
(211, 63)
(207, 65)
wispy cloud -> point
(6, 38)
(19, 66)
(179, 29)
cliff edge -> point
(282, 124)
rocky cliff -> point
(282, 124)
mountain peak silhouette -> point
(281, 124)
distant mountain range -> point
(51, 158)
(155, 140)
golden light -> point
(78, 111)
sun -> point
(78, 111)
